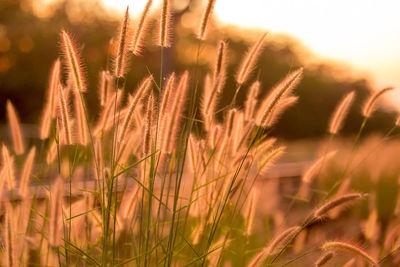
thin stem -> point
(109, 198)
(180, 166)
(350, 160)
(238, 86)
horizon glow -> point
(362, 33)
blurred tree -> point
(29, 43)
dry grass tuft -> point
(340, 245)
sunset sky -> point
(362, 33)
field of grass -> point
(165, 176)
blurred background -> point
(343, 47)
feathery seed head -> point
(249, 61)
(16, 134)
(105, 87)
(149, 124)
(10, 241)
(178, 108)
(72, 63)
(340, 113)
(369, 106)
(26, 172)
(44, 130)
(49, 111)
(341, 245)
(81, 119)
(250, 211)
(65, 115)
(122, 52)
(201, 35)
(230, 122)
(324, 209)
(105, 115)
(172, 118)
(210, 99)
(53, 87)
(138, 37)
(278, 109)
(270, 158)
(56, 206)
(220, 63)
(143, 89)
(251, 101)
(8, 163)
(314, 168)
(166, 101)
(214, 136)
(280, 92)
(165, 24)
(397, 122)
(283, 239)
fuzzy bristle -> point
(106, 113)
(210, 99)
(270, 158)
(15, 128)
(72, 63)
(105, 87)
(280, 241)
(283, 239)
(279, 93)
(56, 206)
(173, 116)
(178, 107)
(142, 90)
(369, 106)
(147, 148)
(166, 96)
(220, 63)
(26, 172)
(49, 111)
(138, 37)
(249, 61)
(251, 101)
(324, 209)
(202, 32)
(278, 109)
(165, 24)
(311, 171)
(8, 163)
(341, 245)
(122, 52)
(65, 115)
(80, 119)
(9, 237)
(250, 211)
(340, 113)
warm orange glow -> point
(362, 33)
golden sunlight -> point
(199, 132)
(359, 32)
